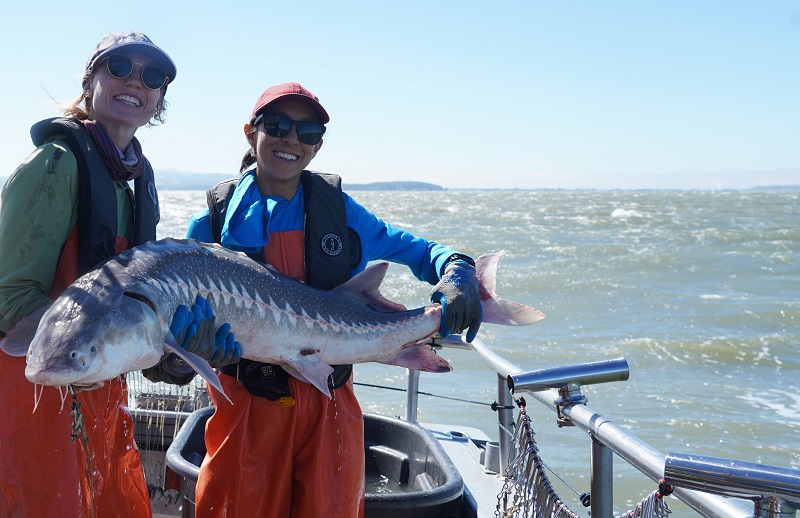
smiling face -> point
(122, 105)
(280, 160)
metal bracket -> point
(568, 395)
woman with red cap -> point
(283, 448)
(67, 208)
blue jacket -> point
(253, 217)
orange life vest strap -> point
(67, 269)
(285, 252)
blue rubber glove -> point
(457, 292)
(192, 329)
(226, 349)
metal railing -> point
(710, 486)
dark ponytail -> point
(248, 159)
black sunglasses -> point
(277, 125)
(121, 66)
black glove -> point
(193, 331)
(457, 292)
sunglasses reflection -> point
(278, 125)
(121, 66)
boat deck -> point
(466, 448)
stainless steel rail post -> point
(602, 484)
(505, 420)
(412, 395)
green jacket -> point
(38, 210)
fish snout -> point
(81, 358)
(51, 366)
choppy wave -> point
(697, 290)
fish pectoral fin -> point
(18, 339)
(421, 357)
(200, 366)
(311, 369)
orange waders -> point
(266, 460)
(44, 473)
(269, 460)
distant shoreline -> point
(182, 181)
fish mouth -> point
(80, 387)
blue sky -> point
(686, 94)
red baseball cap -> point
(293, 91)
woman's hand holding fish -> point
(457, 292)
(194, 331)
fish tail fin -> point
(494, 309)
(421, 357)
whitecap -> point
(625, 213)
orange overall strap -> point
(67, 269)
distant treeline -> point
(392, 186)
(774, 188)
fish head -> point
(92, 334)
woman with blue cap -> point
(64, 210)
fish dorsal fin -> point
(201, 366)
(486, 271)
(367, 284)
(19, 338)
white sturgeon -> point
(115, 319)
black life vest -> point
(331, 248)
(97, 200)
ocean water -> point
(699, 291)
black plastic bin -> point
(408, 473)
